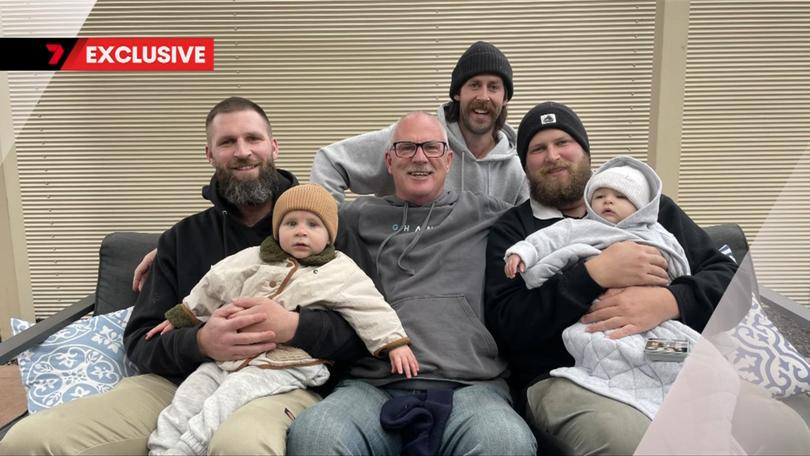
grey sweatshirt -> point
(548, 251)
(358, 164)
(428, 262)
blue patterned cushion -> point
(764, 357)
(84, 358)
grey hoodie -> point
(548, 251)
(358, 164)
(428, 261)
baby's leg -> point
(187, 402)
(241, 387)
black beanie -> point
(479, 58)
(550, 115)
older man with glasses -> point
(475, 122)
(424, 248)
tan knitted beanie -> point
(307, 197)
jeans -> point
(348, 422)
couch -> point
(120, 252)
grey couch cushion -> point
(120, 253)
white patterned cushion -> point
(82, 359)
(764, 357)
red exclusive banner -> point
(108, 54)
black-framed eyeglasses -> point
(407, 149)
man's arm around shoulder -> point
(356, 164)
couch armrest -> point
(771, 297)
(15, 345)
(6, 427)
(10, 348)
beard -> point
(553, 193)
(252, 192)
(467, 112)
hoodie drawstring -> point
(388, 238)
(415, 239)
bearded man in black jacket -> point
(241, 148)
(629, 279)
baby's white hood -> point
(645, 215)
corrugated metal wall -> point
(124, 151)
(746, 131)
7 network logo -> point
(108, 54)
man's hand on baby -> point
(161, 329)
(223, 336)
(627, 264)
(278, 319)
(513, 265)
(633, 310)
(403, 361)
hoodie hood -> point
(647, 214)
(498, 173)
(446, 199)
(223, 207)
(504, 150)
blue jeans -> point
(348, 422)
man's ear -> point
(388, 160)
(449, 158)
(208, 155)
(456, 97)
(274, 148)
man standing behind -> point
(241, 148)
(475, 122)
(629, 279)
(424, 249)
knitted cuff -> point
(180, 317)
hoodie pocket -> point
(448, 339)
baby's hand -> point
(513, 265)
(403, 361)
(162, 328)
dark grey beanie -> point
(550, 115)
(480, 58)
